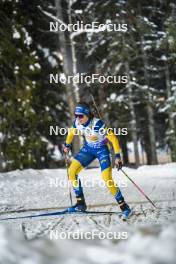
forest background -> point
(30, 52)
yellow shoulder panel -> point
(114, 141)
(70, 136)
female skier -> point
(96, 145)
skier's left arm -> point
(116, 146)
(69, 139)
(70, 136)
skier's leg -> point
(106, 173)
(73, 172)
(106, 170)
(81, 160)
(116, 192)
(74, 169)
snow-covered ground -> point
(148, 237)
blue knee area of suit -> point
(87, 154)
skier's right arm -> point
(69, 139)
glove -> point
(118, 161)
(66, 148)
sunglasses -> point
(79, 116)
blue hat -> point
(81, 109)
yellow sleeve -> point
(70, 136)
(114, 141)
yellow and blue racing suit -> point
(96, 145)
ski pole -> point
(139, 189)
(69, 187)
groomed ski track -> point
(33, 192)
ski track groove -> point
(23, 210)
(33, 228)
(43, 232)
(97, 225)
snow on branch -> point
(53, 17)
(73, 34)
(90, 30)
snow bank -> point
(145, 246)
(151, 232)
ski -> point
(60, 213)
(30, 210)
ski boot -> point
(126, 211)
(80, 206)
